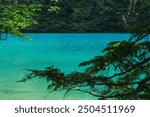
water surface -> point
(64, 51)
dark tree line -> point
(90, 15)
(85, 15)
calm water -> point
(64, 51)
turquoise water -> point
(64, 51)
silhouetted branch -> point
(133, 67)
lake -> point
(64, 51)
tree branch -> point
(133, 67)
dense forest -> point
(130, 60)
(90, 15)
(86, 15)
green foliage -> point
(16, 17)
(80, 15)
(140, 19)
(87, 15)
(91, 16)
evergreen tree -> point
(122, 72)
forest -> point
(130, 60)
(70, 16)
